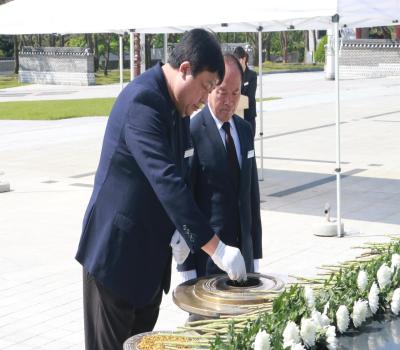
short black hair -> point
(232, 59)
(240, 52)
(203, 51)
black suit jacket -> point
(140, 194)
(249, 88)
(216, 196)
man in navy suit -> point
(224, 175)
(249, 87)
(140, 196)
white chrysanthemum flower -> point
(309, 295)
(384, 276)
(395, 261)
(291, 334)
(326, 308)
(362, 280)
(395, 304)
(342, 318)
(297, 347)
(373, 298)
(331, 338)
(308, 332)
(320, 320)
(359, 314)
(262, 341)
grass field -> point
(55, 109)
(62, 109)
(8, 81)
(269, 98)
(269, 67)
(112, 77)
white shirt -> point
(234, 135)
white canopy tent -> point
(97, 16)
(172, 16)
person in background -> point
(224, 176)
(140, 197)
(249, 86)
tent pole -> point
(132, 53)
(260, 85)
(121, 62)
(165, 47)
(335, 20)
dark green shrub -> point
(320, 52)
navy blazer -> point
(249, 87)
(140, 194)
(216, 196)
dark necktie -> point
(233, 163)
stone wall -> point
(6, 66)
(56, 65)
(369, 58)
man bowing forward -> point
(224, 175)
(140, 196)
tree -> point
(380, 33)
(95, 52)
(148, 39)
(6, 46)
(306, 44)
(16, 55)
(284, 46)
(320, 51)
(252, 38)
(107, 47)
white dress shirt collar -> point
(234, 134)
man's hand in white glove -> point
(180, 249)
(257, 265)
(230, 260)
(187, 275)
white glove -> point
(180, 250)
(187, 275)
(230, 260)
(257, 265)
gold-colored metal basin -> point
(217, 295)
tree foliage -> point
(320, 52)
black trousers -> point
(109, 320)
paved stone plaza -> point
(50, 166)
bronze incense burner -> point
(217, 295)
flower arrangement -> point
(310, 313)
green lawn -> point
(57, 109)
(8, 81)
(277, 67)
(269, 98)
(112, 77)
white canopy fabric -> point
(101, 16)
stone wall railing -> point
(61, 65)
(369, 58)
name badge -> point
(189, 152)
(250, 154)
(246, 83)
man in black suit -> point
(249, 87)
(224, 175)
(140, 196)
